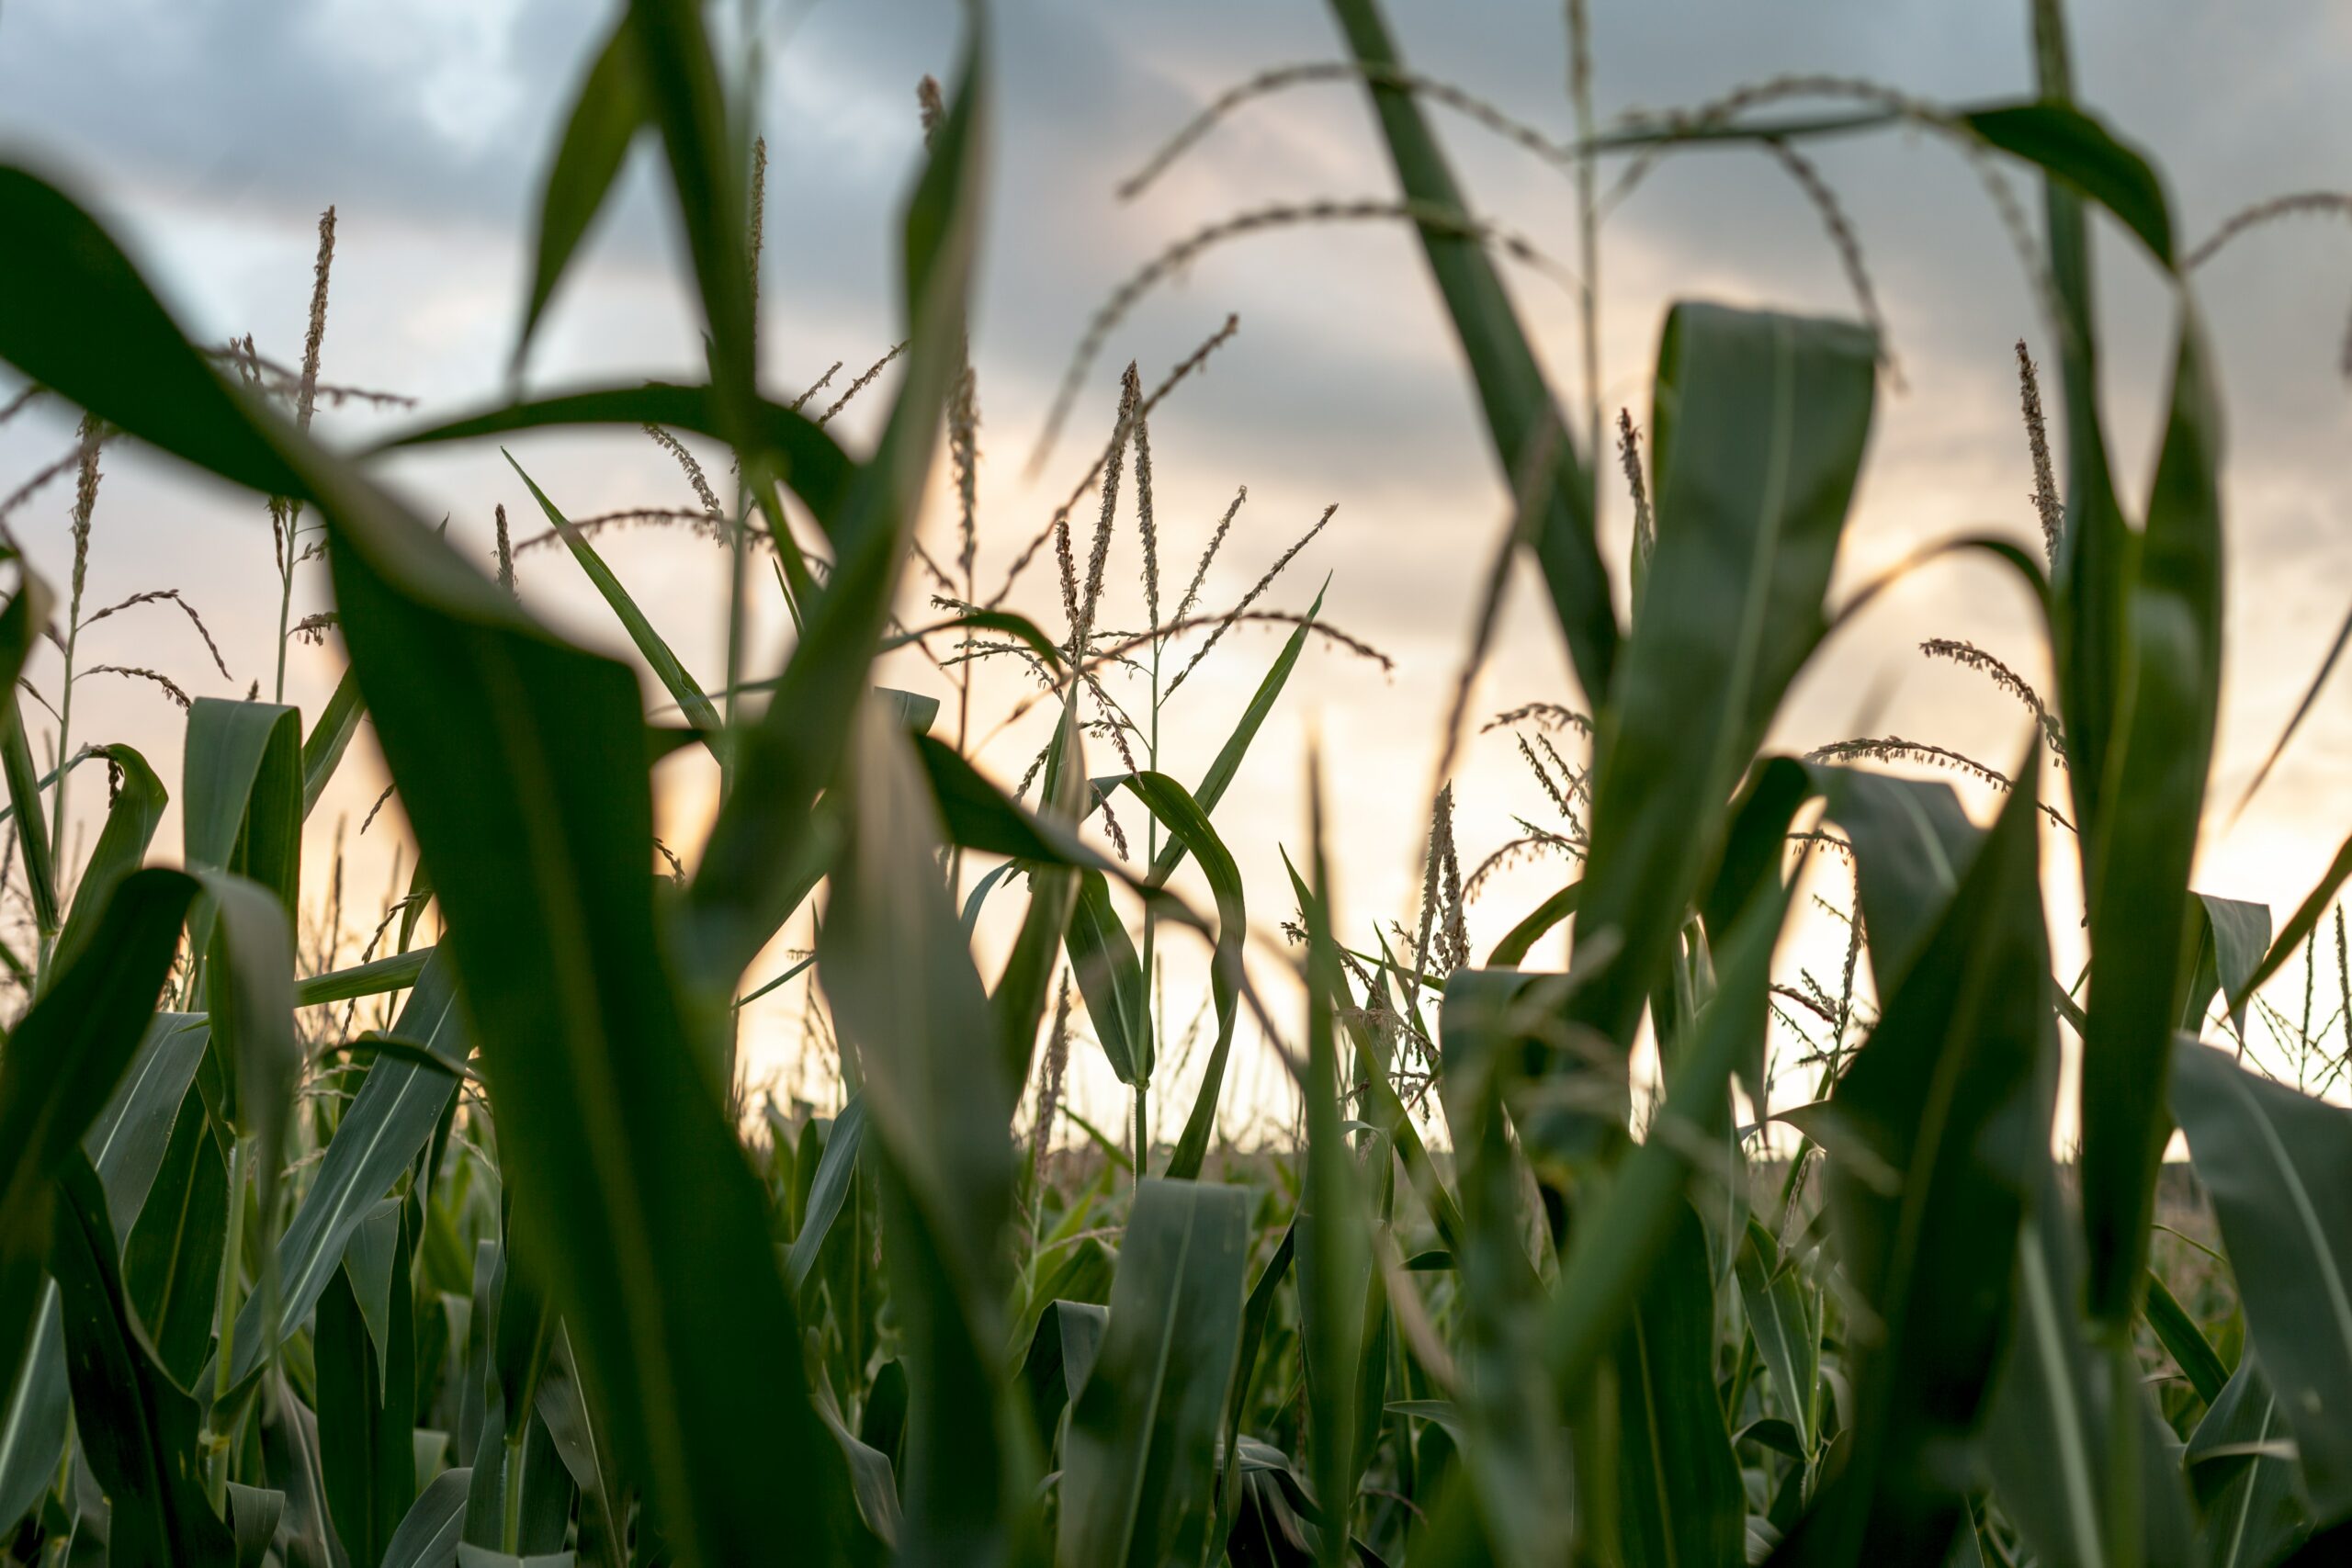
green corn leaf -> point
(2249, 1492)
(138, 1431)
(606, 115)
(1679, 1496)
(377, 976)
(1110, 976)
(24, 800)
(367, 1390)
(60, 1067)
(1060, 1355)
(2091, 587)
(2075, 149)
(139, 798)
(1513, 1468)
(564, 1409)
(32, 1421)
(1757, 439)
(1227, 761)
(1026, 984)
(2290, 938)
(683, 688)
(1255, 1313)
(1138, 1465)
(1784, 1322)
(1615, 1247)
(1187, 821)
(127, 1140)
(20, 622)
(376, 1251)
(1913, 844)
(905, 997)
(2054, 1434)
(835, 1170)
(2184, 1341)
(171, 1259)
(240, 787)
(679, 79)
(2272, 1160)
(1529, 440)
(1938, 1109)
(2231, 938)
(428, 1534)
(254, 1514)
(818, 471)
(590, 1094)
(760, 845)
(2146, 843)
(1512, 951)
(1335, 1263)
(386, 1123)
(323, 749)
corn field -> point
(475, 1249)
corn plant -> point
(516, 1275)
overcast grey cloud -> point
(214, 130)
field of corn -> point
(474, 1245)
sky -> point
(212, 132)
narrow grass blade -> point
(684, 688)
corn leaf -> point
(2271, 1158)
(1139, 1466)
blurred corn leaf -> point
(607, 115)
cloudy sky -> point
(212, 132)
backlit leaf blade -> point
(1940, 1109)
(2146, 843)
(1137, 1469)
(2276, 1163)
(1757, 440)
(907, 1000)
